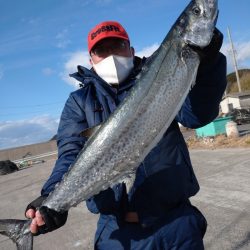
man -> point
(155, 213)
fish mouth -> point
(200, 41)
(191, 43)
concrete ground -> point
(224, 198)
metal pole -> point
(234, 60)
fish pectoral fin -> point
(18, 232)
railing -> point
(35, 157)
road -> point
(224, 196)
(224, 199)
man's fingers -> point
(33, 226)
(36, 222)
(39, 219)
(30, 213)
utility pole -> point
(234, 60)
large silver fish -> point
(124, 140)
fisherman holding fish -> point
(119, 144)
(154, 212)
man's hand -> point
(44, 220)
(209, 53)
(32, 212)
(37, 220)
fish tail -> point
(18, 231)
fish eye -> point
(196, 10)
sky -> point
(42, 42)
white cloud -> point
(48, 71)
(63, 43)
(30, 20)
(62, 39)
(242, 50)
(75, 59)
(147, 51)
(33, 21)
(24, 132)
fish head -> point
(200, 18)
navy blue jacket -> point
(165, 178)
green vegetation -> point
(232, 86)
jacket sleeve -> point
(202, 103)
(69, 141)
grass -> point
(219, 141)
(232, 86)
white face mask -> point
(114, 69)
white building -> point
(235, 101)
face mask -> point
(114, 69)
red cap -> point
(105, 30)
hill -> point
(232, 86)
